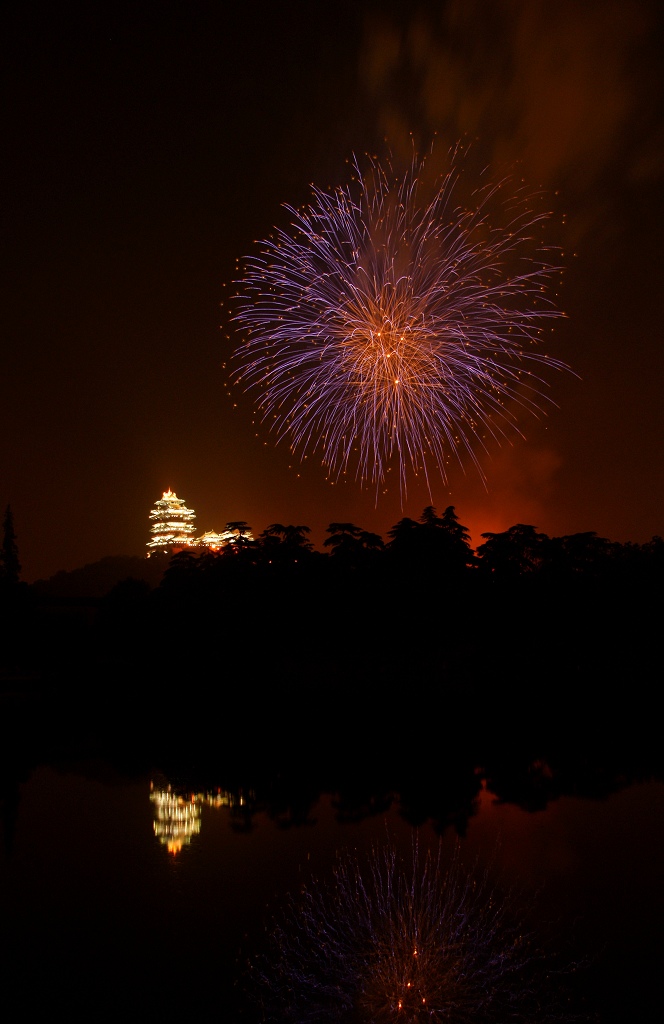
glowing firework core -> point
(388, 330)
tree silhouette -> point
(439, 542)
(578, 554)
(239, 528)
(429, 517)
(341, 536)
(285, 543)
(293, 536)
(10, 567)
(351, 545)
(242, 543)
(184, 570)
(457, 550)
(515, 552)
(402, 533)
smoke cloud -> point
(562, 92)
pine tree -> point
(10, 567)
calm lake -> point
(101, 920)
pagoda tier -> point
(173, 524)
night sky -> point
(148, 145)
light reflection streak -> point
(177, 816)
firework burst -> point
(394, 943)
(385, 331)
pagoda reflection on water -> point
(177, 816)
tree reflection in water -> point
(389, 941)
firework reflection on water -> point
(390, 941)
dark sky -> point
(147, 145)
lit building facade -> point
(172, 524)
(173, 529)
(212, 541)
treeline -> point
(292, 797)
(366, 618)
(433, 540)
(412, 635)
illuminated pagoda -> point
(234, 533)
(173, 524)
(173, 529)
(212, 541)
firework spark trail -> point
(384, 330)
(389, 943)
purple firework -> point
(385, 330)
(387, 942)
